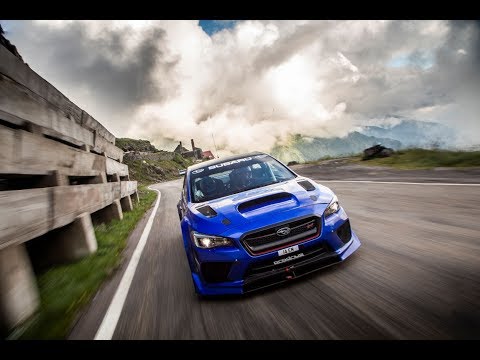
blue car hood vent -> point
(264, 201)
(207, 211)
(307, 185)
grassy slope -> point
(427, 159)
(153, 165)
(127, 144)
(65, 289)
(146, 173)
(351, 158)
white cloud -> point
(256, 83)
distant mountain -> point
(413, 133)
(303, 149)
(397, 134)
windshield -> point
(235, 176)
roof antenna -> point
(215, 145)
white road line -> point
(109, 323)
(396, 182)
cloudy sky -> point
(252, 83)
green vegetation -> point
(147, 164)
(65, 289)
(344, 159)
(427, 159)
(127, 144)
(151, 170)
(180, 160)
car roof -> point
(221, 160)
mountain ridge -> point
(401, 134)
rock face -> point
(377, 151)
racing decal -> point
(197, 171)
(290, 258)
(229, 163)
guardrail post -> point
(126, 203)
(73, 241)
(18, 290)
(109, 213)
(135, 196)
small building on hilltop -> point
(196, 152)
(180, 149)
(207, 155)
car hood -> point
(261, 205)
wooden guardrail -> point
(27, 153)
(29, 213)
(58, 166)
(15, 69)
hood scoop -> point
(266, 201)
(207, 211)
(307, 185)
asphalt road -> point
(416, 276)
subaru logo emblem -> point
(283, 231)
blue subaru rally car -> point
(249, 222)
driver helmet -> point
(241, 176)
(208, 186)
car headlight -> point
(333, 207)
(209, 241)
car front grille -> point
(258, 277)
(267, 266)
(265, 240)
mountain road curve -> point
(416, 275)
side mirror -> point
(182, 172)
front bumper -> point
(248, 273)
